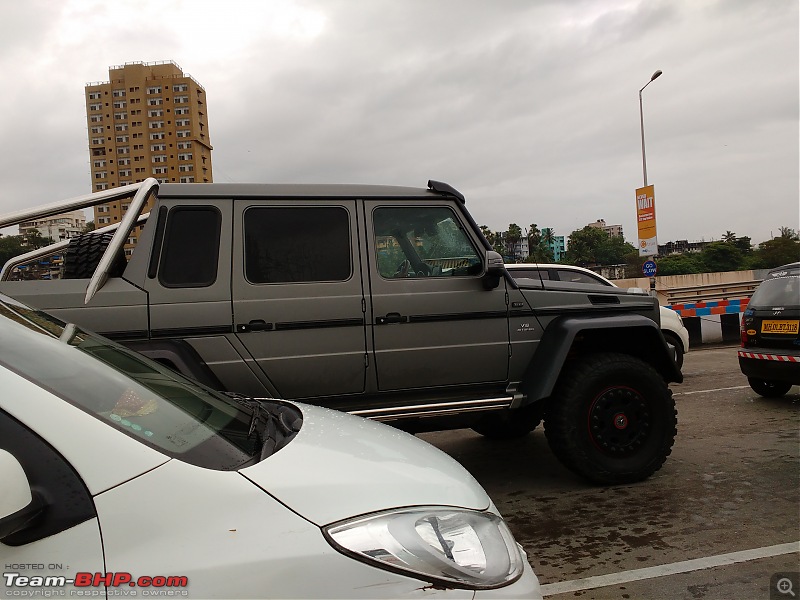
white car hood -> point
(339, 466)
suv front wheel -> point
(611, 419)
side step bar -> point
(434, 409)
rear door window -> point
(191, 247)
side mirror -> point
(494, 270)
(18, 505)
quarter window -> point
(297, 245)
(191, 247)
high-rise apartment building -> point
(147, 120)
(611, 230)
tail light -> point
(743, 332)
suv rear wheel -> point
(611, 419)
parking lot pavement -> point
(732, 484)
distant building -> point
(558, 245)
(611, 230)
(57, 227)
(681, 247)
(147, 120)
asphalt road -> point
(721, 519)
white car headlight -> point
(454, 547)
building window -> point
(182, 111)
(156, 89)
(156, 124)
(121, 139)
(181, 87)
(100, 174)
(101, 186)
(119, 104)
(159, 170)
(94, 95)
(181, 99)
(160, 158)
(156, 112)
(187, 179)
(99, 163)
(123, 150)
(125, 173)
(185, 168)
(136, 124)
(96, 118)
(184, 133)
(118, 93)
(97, 129)
(184, 145)
(158, 136)
(120, 116)
(158, 147)
(182, 122)
(96, 106)
(121, 127)
(185, 156)
(97, 141)
(103, 209)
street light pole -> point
(641, 120)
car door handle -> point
(254, 325)
(391, 318)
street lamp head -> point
(656, 75)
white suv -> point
(671, 323)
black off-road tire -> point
(510, 424)
(769, 389)
(84, 253)
(611, 419)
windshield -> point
(140, 397)
(781, 291)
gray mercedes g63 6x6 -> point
(385, 302)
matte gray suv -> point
(385, 302)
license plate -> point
(788, 327)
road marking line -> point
(736, 387)
(685, 566)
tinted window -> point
(191, 247)
(422, 242)
(295, 245)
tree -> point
(681, 264)
(90, 226)
(776, 252)
(718, 257)
(789, 234)
(729, 237)
(513, 236)
(584, 245)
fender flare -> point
(542, 373)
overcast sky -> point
(530, 108)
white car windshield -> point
(140, 397)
